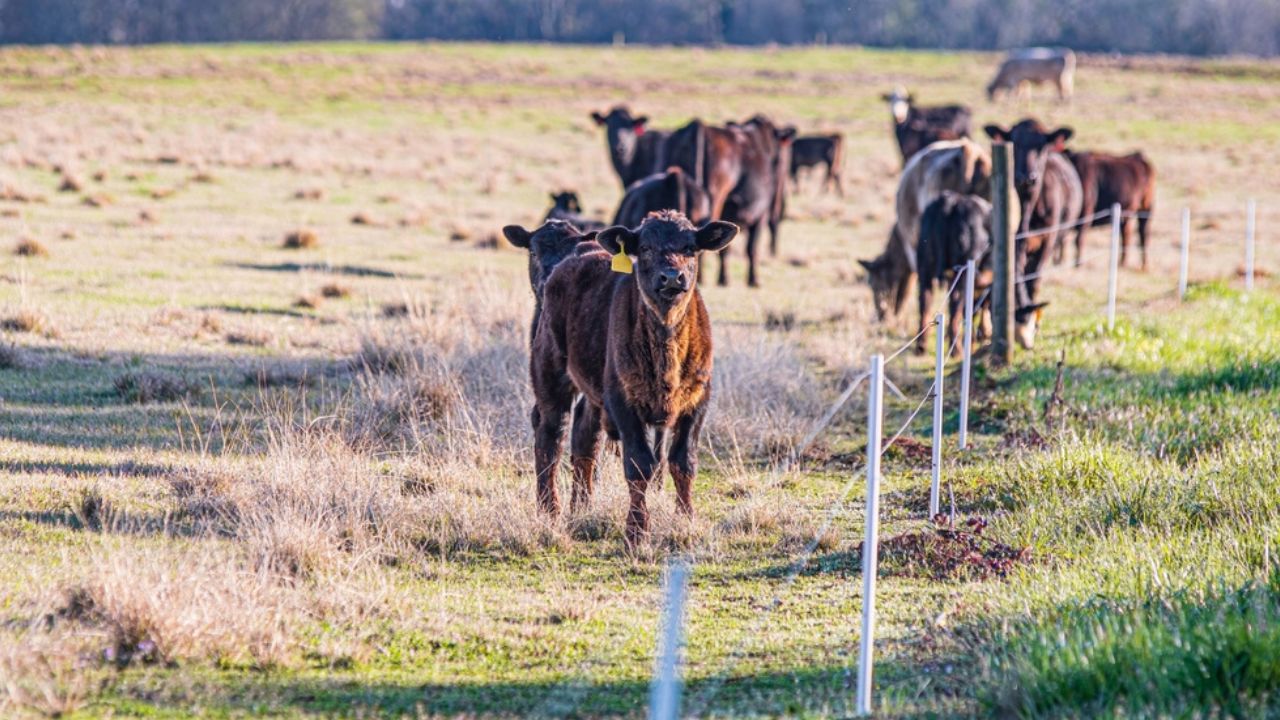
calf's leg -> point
(547, 441)
(683, 457)
(924, 295)
(584, 445)
(639, 466)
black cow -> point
(916, 127)
(672, 190)
(635, 150)
(758, 197)
(813, 150)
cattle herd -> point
(621, 339)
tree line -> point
(1196, 27)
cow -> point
(758, 198)
(962, 166)
(918, 127)
(566, 206)
(1129, 180)
(635, 150)
(955, 229)
(1051, 199)
(1034, 66)
(672, 190)
(813, 150)
(548, 246)
(637, 345)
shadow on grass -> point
(348, 270)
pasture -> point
(239, 478)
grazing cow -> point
(955, 229)
(565, 206)
(1033, 66)
(1051, 199)
(672, 190)
(636, 151)
(961, 166)
(813, 150)
(918, 127)
(637, 345)
(1129, 180)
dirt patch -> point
(943, 551)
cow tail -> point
(836, 165)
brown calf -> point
(1109, 179)
(637, 346)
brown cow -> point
(638, 347)
(761, 192)
(1109, 179)
(635, 150)
(813, 150)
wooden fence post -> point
(1002, 254)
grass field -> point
(239, 478)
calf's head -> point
(1032, 145)
(547, 246)
(566, 201)
(1026, 323)
(664, 252)
(621, 132)
(899, 104)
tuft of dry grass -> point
(281, 374)
(308, 302)
(100, 176)
(366, 219)
(26, 320)
(309, 194)
(43, 674)
(99, 200)
(147, 386)
(335, 290)
(30, 247)
(301, 240)
(146, 216)
(13, 357)
(254, 338)
(71, 184)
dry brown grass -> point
(248, 336)
(308, 302)
(148, 386)
(99, 200)
(71, 184)
(43, 674)
(26, 320)
(309, 194)
(30, 247)
(13, 357)
(335, 290)
(301, 240)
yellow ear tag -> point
(622, 261)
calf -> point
(565, 206)
(955, 229)
(672, 190)
(1051, 199)
(636, 151)
(1109, 179)
(813, 150)
(1033, 66)
(961, 166)
(918, 127)
(637, 346)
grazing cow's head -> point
(1027, 322)
(566, 201)
(547, 246)
(621, 131)
(899, 104)
(664, 253)
(890, 278)
(1032, 145)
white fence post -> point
(1186, 252)
(935, 486)
(1250, 228)
(664, 692)
(970, 270)
(871, 544)
(1116, 219)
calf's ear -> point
(598, 118)
(1058, 138)
(997, 133)
(615, 238)
(715, 235)
(517, 236)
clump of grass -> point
(309, 194)
(30, 247)
(366, 219)
(13, 357)
(70, 184)
(146, 386)
(301, 240)
(99, 200)
(26, 320)
(44, 674)
(308, 302)
(1149, 659)
(335, 290)
(198, 604)
(281, 374)
(254, 338)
